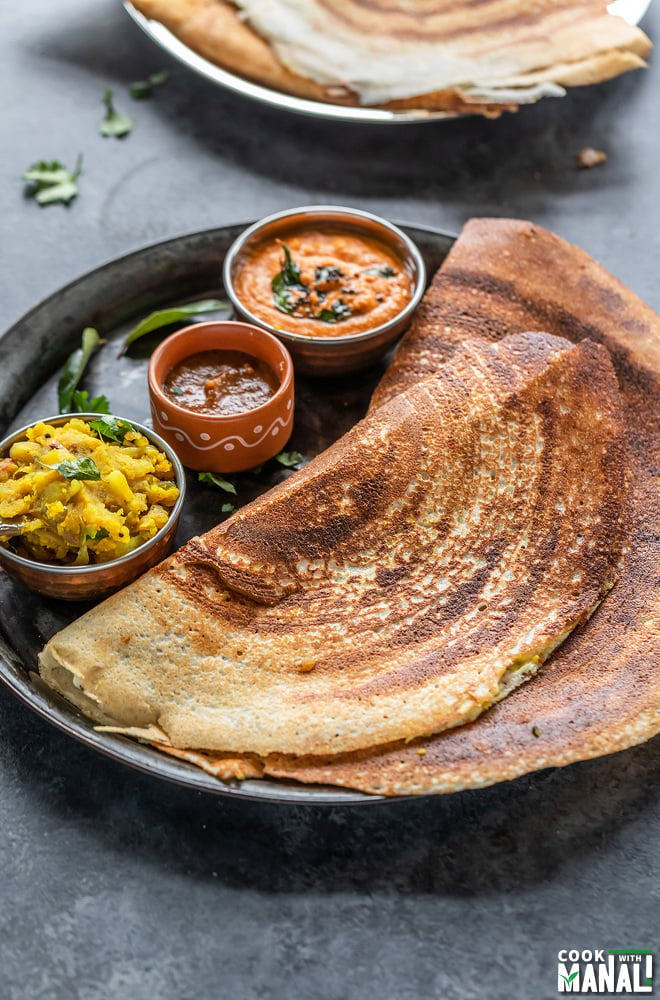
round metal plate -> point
(630, 10)
(112, 298)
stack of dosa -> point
(600, 692)
(407, 588)
(452, 56)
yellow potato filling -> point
(80, 497)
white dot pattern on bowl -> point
(204, 437)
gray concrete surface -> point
(115, 885)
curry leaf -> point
(215, 480)
(74, 368)
(165, 317)
(289, 458)
(114, 124)
(52, 182)
(286, 282)
(290, 270)
(112, 428)
(83, 404)
(76, 468)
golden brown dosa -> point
(600, 692)
(427, 54)
(413, 574)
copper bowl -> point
(212, 442)
(84, 583)
(337, 355)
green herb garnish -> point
(287, 286)
(289, 458)
(382, 272)
(74, 368)
(83, 404)
(52, 182)
(227, 508)
(141, 89)
(76, 468)
(99, 535)
(165, 317)
(114, 124)
(338, 311)
(112, 428)
(215, 480)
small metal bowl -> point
(340, 354)
(84, 583)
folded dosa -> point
(600, 691)
(409, 577)
(435, 54)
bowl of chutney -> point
(337, 285)
(222, 395)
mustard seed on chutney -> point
(323, 282)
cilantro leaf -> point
(51, 182)
(83, 404)
(290, 459)
(215, 480)
(114, 124)
(74, 367)
(381, 272)
(141, 89)
(165, 317)
(336, 313)
(112, 428)
(76, 468)
(227, 508)
(99, 535)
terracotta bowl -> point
(85, 583)
(220, 443)
(314, 355)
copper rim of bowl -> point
(307, 214)
(88, 570)
(233, 325)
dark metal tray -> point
(112, 298)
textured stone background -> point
(116, 885)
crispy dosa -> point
(409, 577)
(429, 54)
(600, 691)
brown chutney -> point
(220, 383)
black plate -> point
(112, 298)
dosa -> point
(408, 578)
(433, 54)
